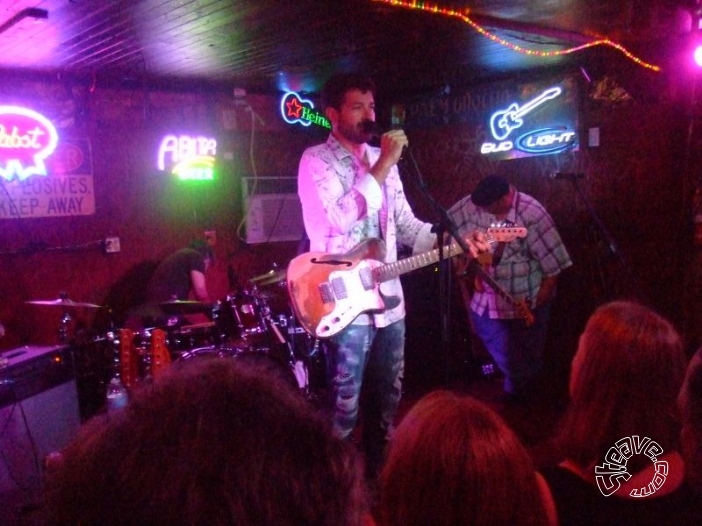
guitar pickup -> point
(367, 280)
(325, 291)
(339, 288)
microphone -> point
(566, 175)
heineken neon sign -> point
(296, 110)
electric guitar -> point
(329, 291)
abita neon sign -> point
(27, 138)
(190, 158)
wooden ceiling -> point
(270, 45)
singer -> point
(351, 191)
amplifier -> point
(39, 414)
(29, 370)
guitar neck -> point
(487, 278)
(392, 270)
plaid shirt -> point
(525, 261)
(342, 204)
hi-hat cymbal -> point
(64, 302)
(185, 307)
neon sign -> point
(533, 141)
(547, 140)
(190, 158)
(27, 138)
(504, 121)
(295, 109)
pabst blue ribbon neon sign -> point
(296, 110)
(27, 138)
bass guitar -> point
(329, 291)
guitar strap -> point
(383, 214)
(497, 254)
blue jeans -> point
(372, 358)
(518, 349)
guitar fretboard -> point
(397, 268)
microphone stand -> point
(606, 235)
(443, 226)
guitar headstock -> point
(505, 234)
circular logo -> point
(613, 470)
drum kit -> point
(244, 323)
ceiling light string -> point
(433, 8)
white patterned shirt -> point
(342, 205)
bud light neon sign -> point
(296, 110)
(27, 138)
(543, 124)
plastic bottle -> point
(117, 395)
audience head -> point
(211, 441)
(690, 402)
(625, 378)
(453, 461)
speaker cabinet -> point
(39, 414)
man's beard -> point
(353, 133)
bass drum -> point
(295, 373)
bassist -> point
(513, 326)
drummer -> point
(180, 276)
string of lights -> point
(464, 16)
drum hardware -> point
(139, 355)
(244, 324)
(64, 302)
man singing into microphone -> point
(350, 192)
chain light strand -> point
(433, 8)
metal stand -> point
(608, 238)
(443, 227)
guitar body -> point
(329, 291)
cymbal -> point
(64, 302)
(185, 307)
(270, 278)
(267, 275)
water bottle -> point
(117, 396)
